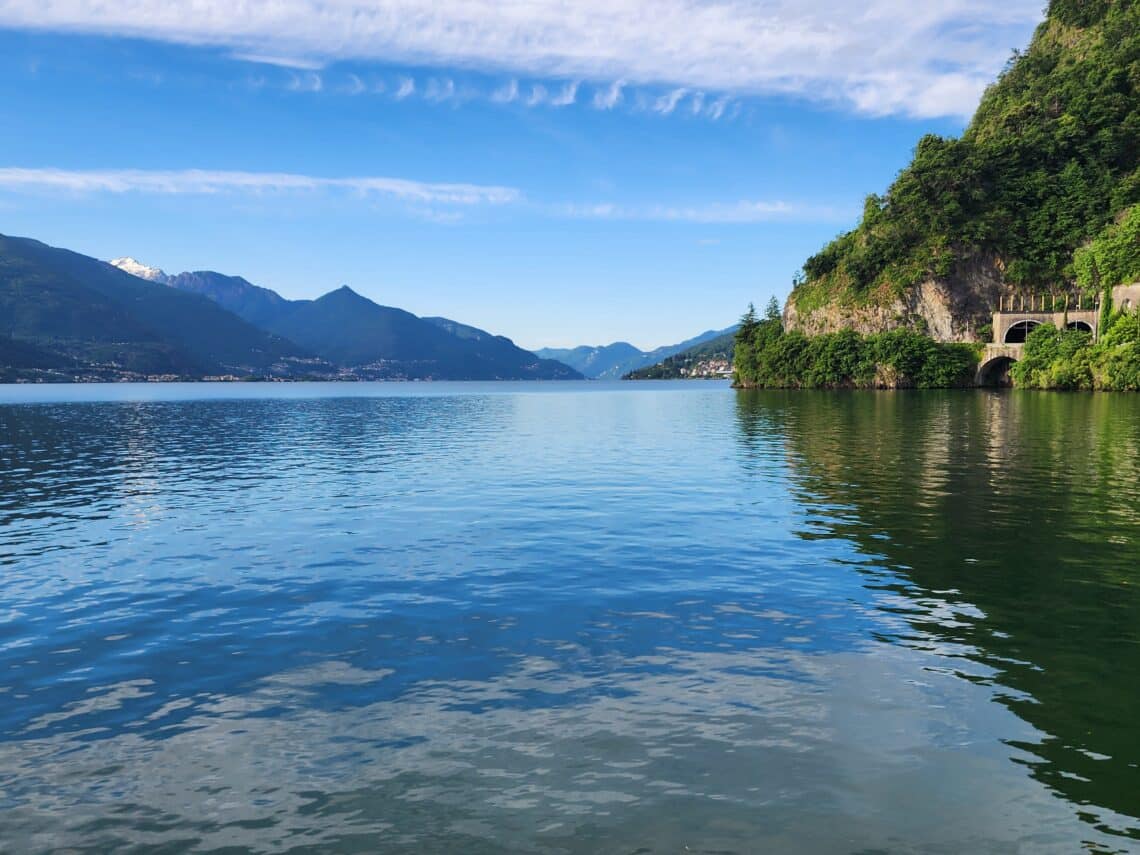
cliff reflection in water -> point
(1009, 526)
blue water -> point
(657, 617)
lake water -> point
(567, 618)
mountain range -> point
(350, 330)
(614, 361)
(65, 312)
(66, 316)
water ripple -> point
(567, 618)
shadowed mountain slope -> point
(70, 305)
(354, 332)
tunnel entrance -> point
(1018, 332)
(995, 373)
(1079, 325)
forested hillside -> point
(1050, 162)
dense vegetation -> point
(768, 357)
(1069, 359)
(1050, 161)
(1113, 257)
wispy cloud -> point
(610, 97)
(538, 95)
(355, 85)
(567, 96)
(405, 88)
(427, 200)
(440, 90)
(880, 57)
(667, 103)
(725, 213)
(508, 93)
(310, 82)
(281, 61)
(210, 182)
(444, 90)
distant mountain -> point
(613, 361)
(259, 306)
(350, 329)
(500, 351)
(137, 268)
(371, 340)
(711, 358)
(59, 308)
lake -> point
(579, 617)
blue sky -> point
(561, 173)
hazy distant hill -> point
(498, 350)
(376, 341)
(708, 359)
(613, 361)
(83, 313)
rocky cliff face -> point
(949, 309)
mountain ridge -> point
(101, 320)
(372, 340)
(613, 361)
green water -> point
(1022, 512)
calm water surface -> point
(567, 618)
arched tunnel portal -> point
(995, 372)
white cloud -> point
(729, 213)
(209, 182)
(878, 57)
(567, 96)
(355, 85)
(281, 61)
(607, 99)
(717, 107)
(407, 87)
(507, 93)
(310, 82)
(427, 198)
(667, 103)
(440, 90)
(538, 95)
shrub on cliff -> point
(773, 359)
(1113, 258)
(1069, 359)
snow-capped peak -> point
(137, 268)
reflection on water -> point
(592, 619)
(1021, 514)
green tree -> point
(772, 310)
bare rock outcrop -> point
(949, 309)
